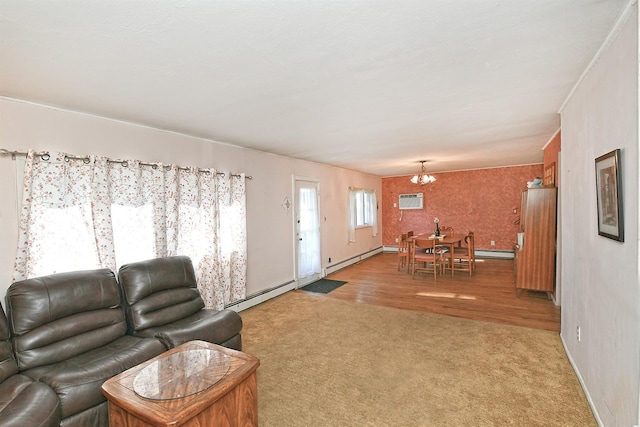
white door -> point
(307, 225)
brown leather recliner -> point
(162, 300)
(69, 332)
(23, 401)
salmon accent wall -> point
(480, 200)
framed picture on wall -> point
(550, 175)
(609, 196)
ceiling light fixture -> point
(423, 177)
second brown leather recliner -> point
(162, 300)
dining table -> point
(450, 241)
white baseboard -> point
(582, 384)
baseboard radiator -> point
(350, 261)
(480, 253)
(262, 296)
(267, 294)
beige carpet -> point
(325, 362)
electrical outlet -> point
(578, 334)
(493, 243)
(396, 240)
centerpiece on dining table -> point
(437, 221)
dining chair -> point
(463, 258)
(425, 257)
(471, 242)
(409, 238)
(403, 251)
(445, 231)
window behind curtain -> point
(365, 215)
(89, 213)
(362, 211)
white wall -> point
(269, 227)
(600, 282)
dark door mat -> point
(323, 286)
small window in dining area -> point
(362, 211)
(365, 209)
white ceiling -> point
(369, 85)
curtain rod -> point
(13, 154)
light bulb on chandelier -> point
(423, 177)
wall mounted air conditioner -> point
(411, 201)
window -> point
(363, 211)
(92, 212)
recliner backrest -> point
(159, 291)
(8, 365)
(53, 318)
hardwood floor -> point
(488, 295)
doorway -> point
(307, 231)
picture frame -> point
(609, 196)
(549, 179)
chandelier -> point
(423, 177)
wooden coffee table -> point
(195, 384)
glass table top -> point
(181, 374)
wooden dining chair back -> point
(446, 231)
(425, 257)
(409, 238)
(403, 251)
(463, 258)
(470, 240)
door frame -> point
(295, 179)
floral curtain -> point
(352, 221)
(372, 214)
(85, 213)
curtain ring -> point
(86, 160)
(45, 157)
(125, 164)
(154, 166)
